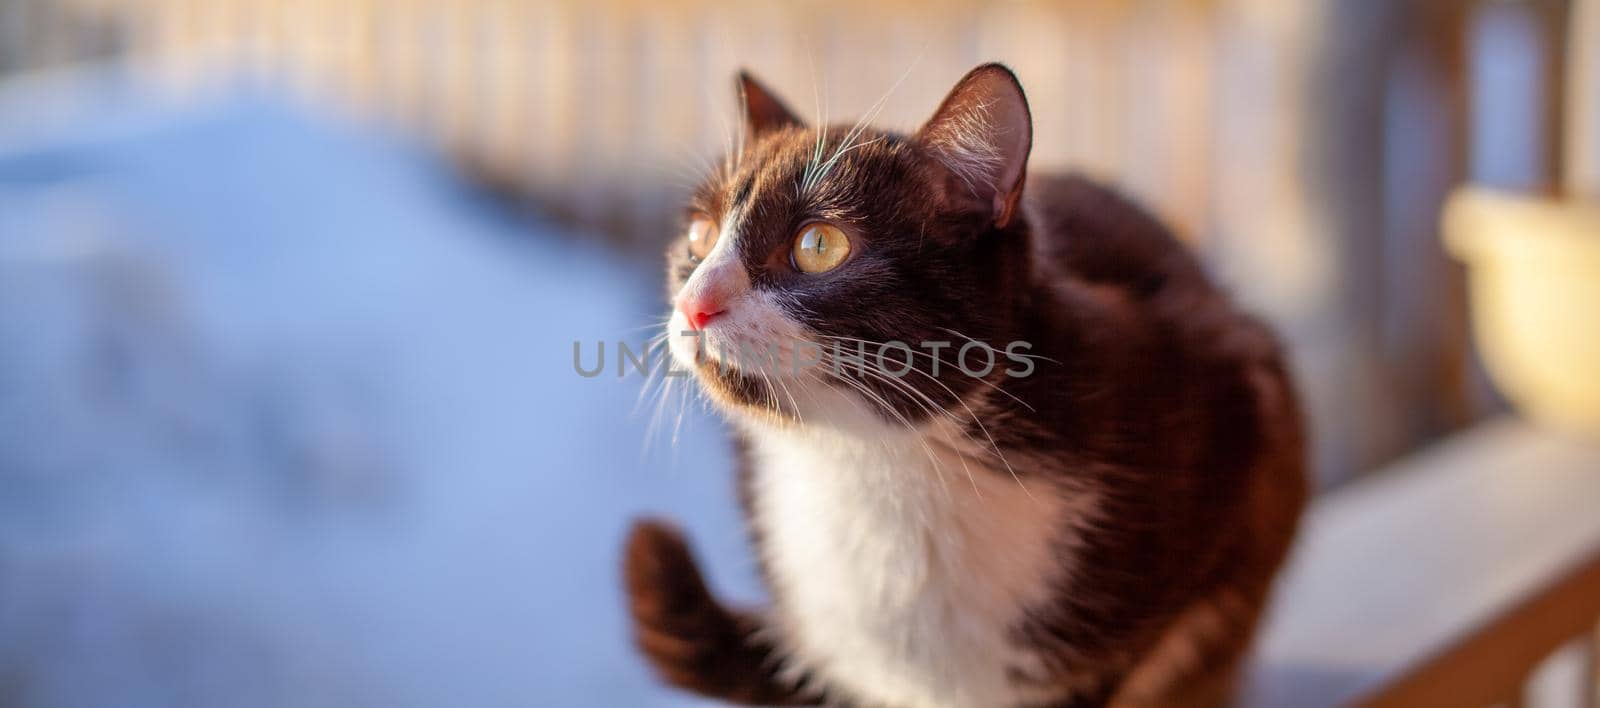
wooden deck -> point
(1442, 580)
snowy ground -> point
(287, 418)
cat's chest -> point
(900, 572)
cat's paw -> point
(693, 641)
(679, 626)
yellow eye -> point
(820, 248)
(702, 236)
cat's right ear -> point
(982, 134)
(763, 111)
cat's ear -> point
(763, 110)
(982, 134)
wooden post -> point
(1581, 178)
(1589, 696)
(1455, 387)
(1551, 16)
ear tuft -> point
(763, 110)
(982, 134)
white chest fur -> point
(899, 576)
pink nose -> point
(699, 311)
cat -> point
(1101, 529)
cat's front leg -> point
(692, 640)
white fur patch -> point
(753, 335)
(899, 577)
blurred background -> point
(288, 291)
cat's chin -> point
(766, 398)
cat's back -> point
(1091, 232)
(1088, 237)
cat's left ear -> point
(982, 134)
(763, 110)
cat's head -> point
(814, 246)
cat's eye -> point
(702, 237)
(820, 248)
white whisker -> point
(813, 178)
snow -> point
(288, 417)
